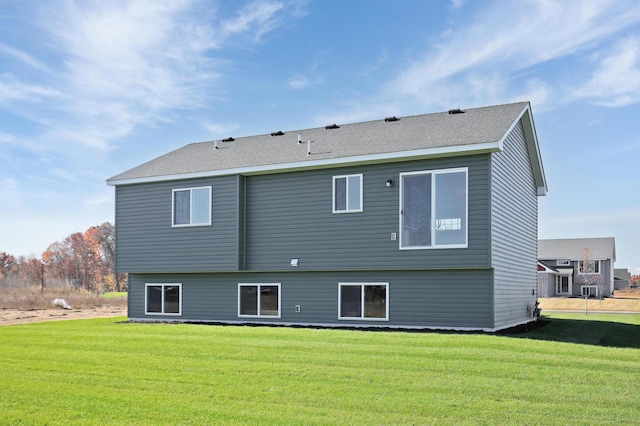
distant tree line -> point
(82, 261)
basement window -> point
(163, 299)
(363, 301)
(259, 300)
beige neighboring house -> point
(622, 278)
(561, 271)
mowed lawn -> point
(106, 372)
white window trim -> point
(433, 209)
(146, 309)
(240, 285)
(333, 198)
(582, 288)
(173, 207)
(559, 284)
(563, 262)
(362, 317)
(597, 264)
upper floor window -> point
(192, 206)
(592, 267)
(433, 209)
(563, 262)
(347, 194)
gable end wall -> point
(514, 231)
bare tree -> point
(8, 269)
(587, 269)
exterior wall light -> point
(389, 183)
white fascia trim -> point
(332, 162)
(534, 150)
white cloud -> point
(377, 65)
(127, 64)
(106, 198)
(616, 81)
(299, 82)
(259, 15)
(7, 138)
(12, 89)
(63, 174)
(11, 193)
(121, 65)
(510, 37)
(219, 129)
(22, 56)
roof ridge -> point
(322, 127)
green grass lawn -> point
(105, 372)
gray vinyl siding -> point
(514, 227)
(546, 285)
(290, 216)
(146, 241)
(604, 282)
(433, 299)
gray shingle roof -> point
(375, 140)
(573, 248)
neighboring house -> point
(561, 269)
(426, 221)
(622, 278)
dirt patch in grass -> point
(24, 305)
(624, 301)
(22, 316)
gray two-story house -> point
(572, 267)
(427, 221)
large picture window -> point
(259, 300)
(163, 299)
(363, 301)
(192, 206)
(347, 194)
(433, 209)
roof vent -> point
(456, 111)
(388, 119)
(278, 133)
(299, 138)
(332, 126)
(228, 140)
(215, 144)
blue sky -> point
(90, 89)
